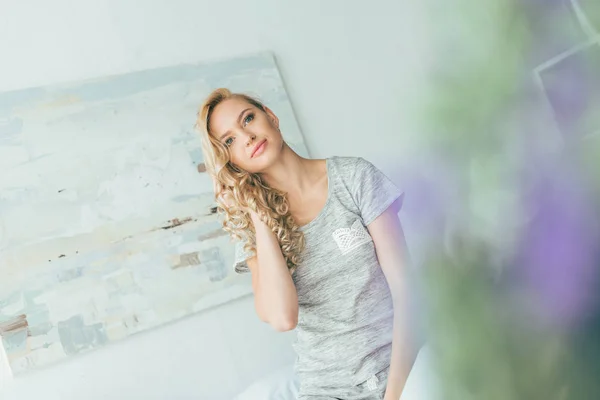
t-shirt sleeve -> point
(373, 191)
(240, 264)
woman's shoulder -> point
(349, 163)
(349, 167)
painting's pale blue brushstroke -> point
(196, 156)
(15, 342)
(183, 198)
(10, 127)
(214, 263)
(106, 227)
(38, 317)
(75, 336)
(208, 228)
(19, 98)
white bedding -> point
(280, 385)
(283, 384)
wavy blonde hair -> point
(237, 190)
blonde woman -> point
(324, 245)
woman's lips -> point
(259, 149)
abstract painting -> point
(107, 225)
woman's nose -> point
(251, 138)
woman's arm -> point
(390, 247)
(275, 296)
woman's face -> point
(252, 135)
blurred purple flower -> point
(560, 248)
(431, 194)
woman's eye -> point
(248, 119)
(228, 142)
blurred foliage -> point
(491, 338)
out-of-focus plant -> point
(512, 280)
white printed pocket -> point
(349, 239)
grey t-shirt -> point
(345, 320)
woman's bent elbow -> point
(280, 324)
(284, 324)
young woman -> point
(324, 245)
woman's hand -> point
(275, 296)
(229, 202)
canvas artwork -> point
(106, 212)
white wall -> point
(352, 70)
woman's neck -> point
(291, 173)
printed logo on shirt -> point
(349, 239)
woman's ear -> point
(272, 117)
